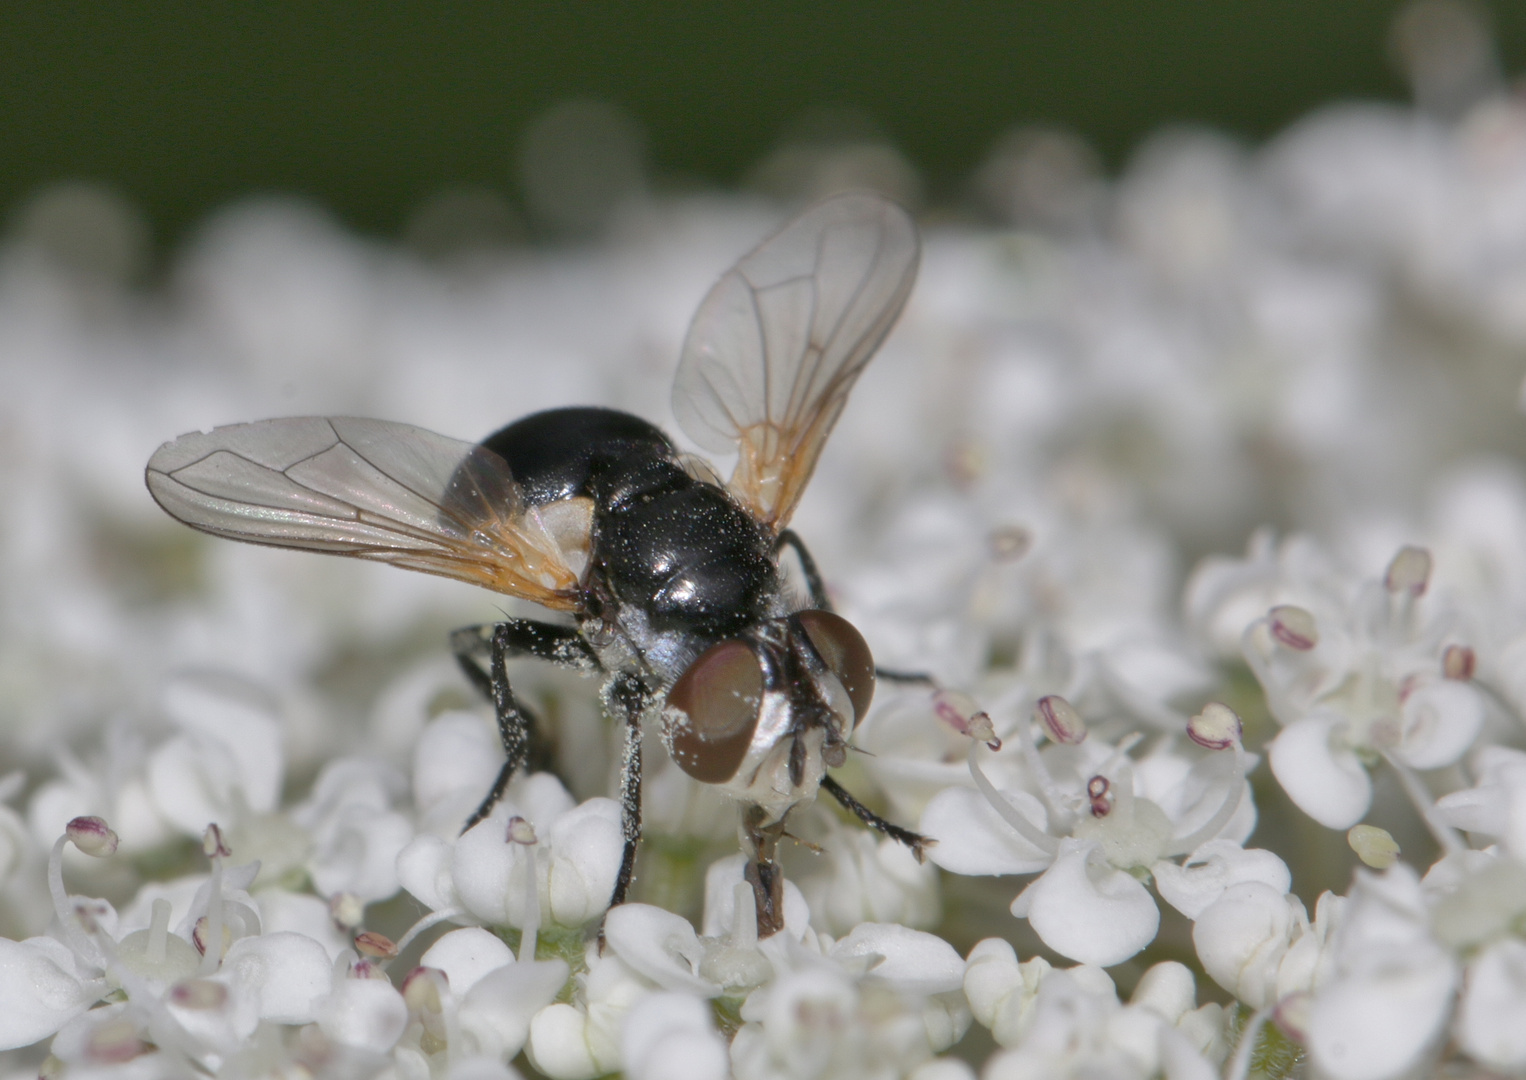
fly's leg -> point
(916, 841)
(631, 697)
(908, 678)
(790, 538)
(516, 725)
(763, 873)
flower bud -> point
(1293, 627)
(1060, 719)
(92, 836)
(1217, 727)
(1409, 572)
(212, 845)
(377, 946)
(1458, 662)
(1374, 846)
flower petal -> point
(466, 955)
(1328, 784)
(974, 840)
(913, 961)
(39, 992)
(1089, 911)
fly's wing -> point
(780, 339)
(368, 489)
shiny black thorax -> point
(675, 547)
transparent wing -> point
(780, 339)
(368, 489)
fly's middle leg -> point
(516, 724)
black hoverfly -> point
(671, 577)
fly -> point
(671, 576)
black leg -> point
(912, 678)
(516, 724)
(631, 698)
(790, 538)
(916, 841)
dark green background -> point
(370, 107)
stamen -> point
(1458, 662)
(1234, 791)
(158, 931)
(434, 918)
(92, 836)
(1061, 721)
(68, 918)
(374, 946)
(520, 831)
(1009, 813)
(1445, 835)
(212, 943)
(1293, 626)
(1217, 727)
(1409, 573)
(959, 711)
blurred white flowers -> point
(1239, 426)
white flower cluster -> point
(235, 779)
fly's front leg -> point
(516, 724)
(628, 697)
(916, 841)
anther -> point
(212, 845)
(960, 712)
(1217, 727)
(1061, 721)
(92, 836)
(1293, 627)
(1458, 662)
(1409, 572)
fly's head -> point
(765, 714)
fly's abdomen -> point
(556, 454)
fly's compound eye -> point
(721, 697)
(846, 654)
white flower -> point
(1070, 1022)
(1382, 1008)
(356, 835)
(566, 876)
(672, 1037)
(1091, 818)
